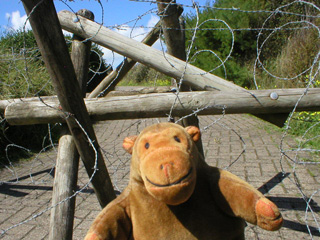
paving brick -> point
(36, 233)
(223, 139)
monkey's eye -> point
(177, 139)
(147, 145)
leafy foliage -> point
(21, 142)
(286, 43)
(233, 31)
(23, 73)
(214, 33)
(306, 125)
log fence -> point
(212, 95)
(55, 53)
(158, 105)
(66, 172)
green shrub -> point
(142, 75)
(288, 68)
(23, 73)
(306, 125)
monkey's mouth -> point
(173, 183)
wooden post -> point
(144, 54)
(64, 186)
(66, 172)
(118, 74)
(80, 54)
(51, 42)
(173, 32)
(169, 65)
(170, 12)
(159, 104)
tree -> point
(229, 31)
(218, 32)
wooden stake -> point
(64, 186)
(173, 31)
(169, 65)
(50, 40)
(66, 172)
(159, 104)
(162, 62)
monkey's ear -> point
(194, 132)
(128, 143)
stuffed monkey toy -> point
(174, 194)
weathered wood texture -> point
(162, 62)
(194, 77)
(51, 42)
(64, 186)
(80, 54)
(5, 103)
(118, 91)
(159, 104)
(110, 81)
(173, 31)
(138, 90)
(169, 13)
(66, 171)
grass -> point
(147, 83)
(23, 77)
(288, 67)
(141, 75)
(23, 74)
(306, 125)
(297, 55)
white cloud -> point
(17, 21)
(153, 21)
(135, 33)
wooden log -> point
(51, 42)
(66, 174)
(159, 104)
(80, 54)
(64, 186)
(110, 81)
(162, 62)
(173, 31)
(6, 102)
(169, 65)
(169, 13)
(118, 91)
(138, 90)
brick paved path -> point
(25, 203)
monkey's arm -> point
(238, 198)
(112, 222)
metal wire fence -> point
(282, 166)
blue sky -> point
(115, 11)
(126, 13)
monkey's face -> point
(165, 159)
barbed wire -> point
(241, 10)
(293, 156)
